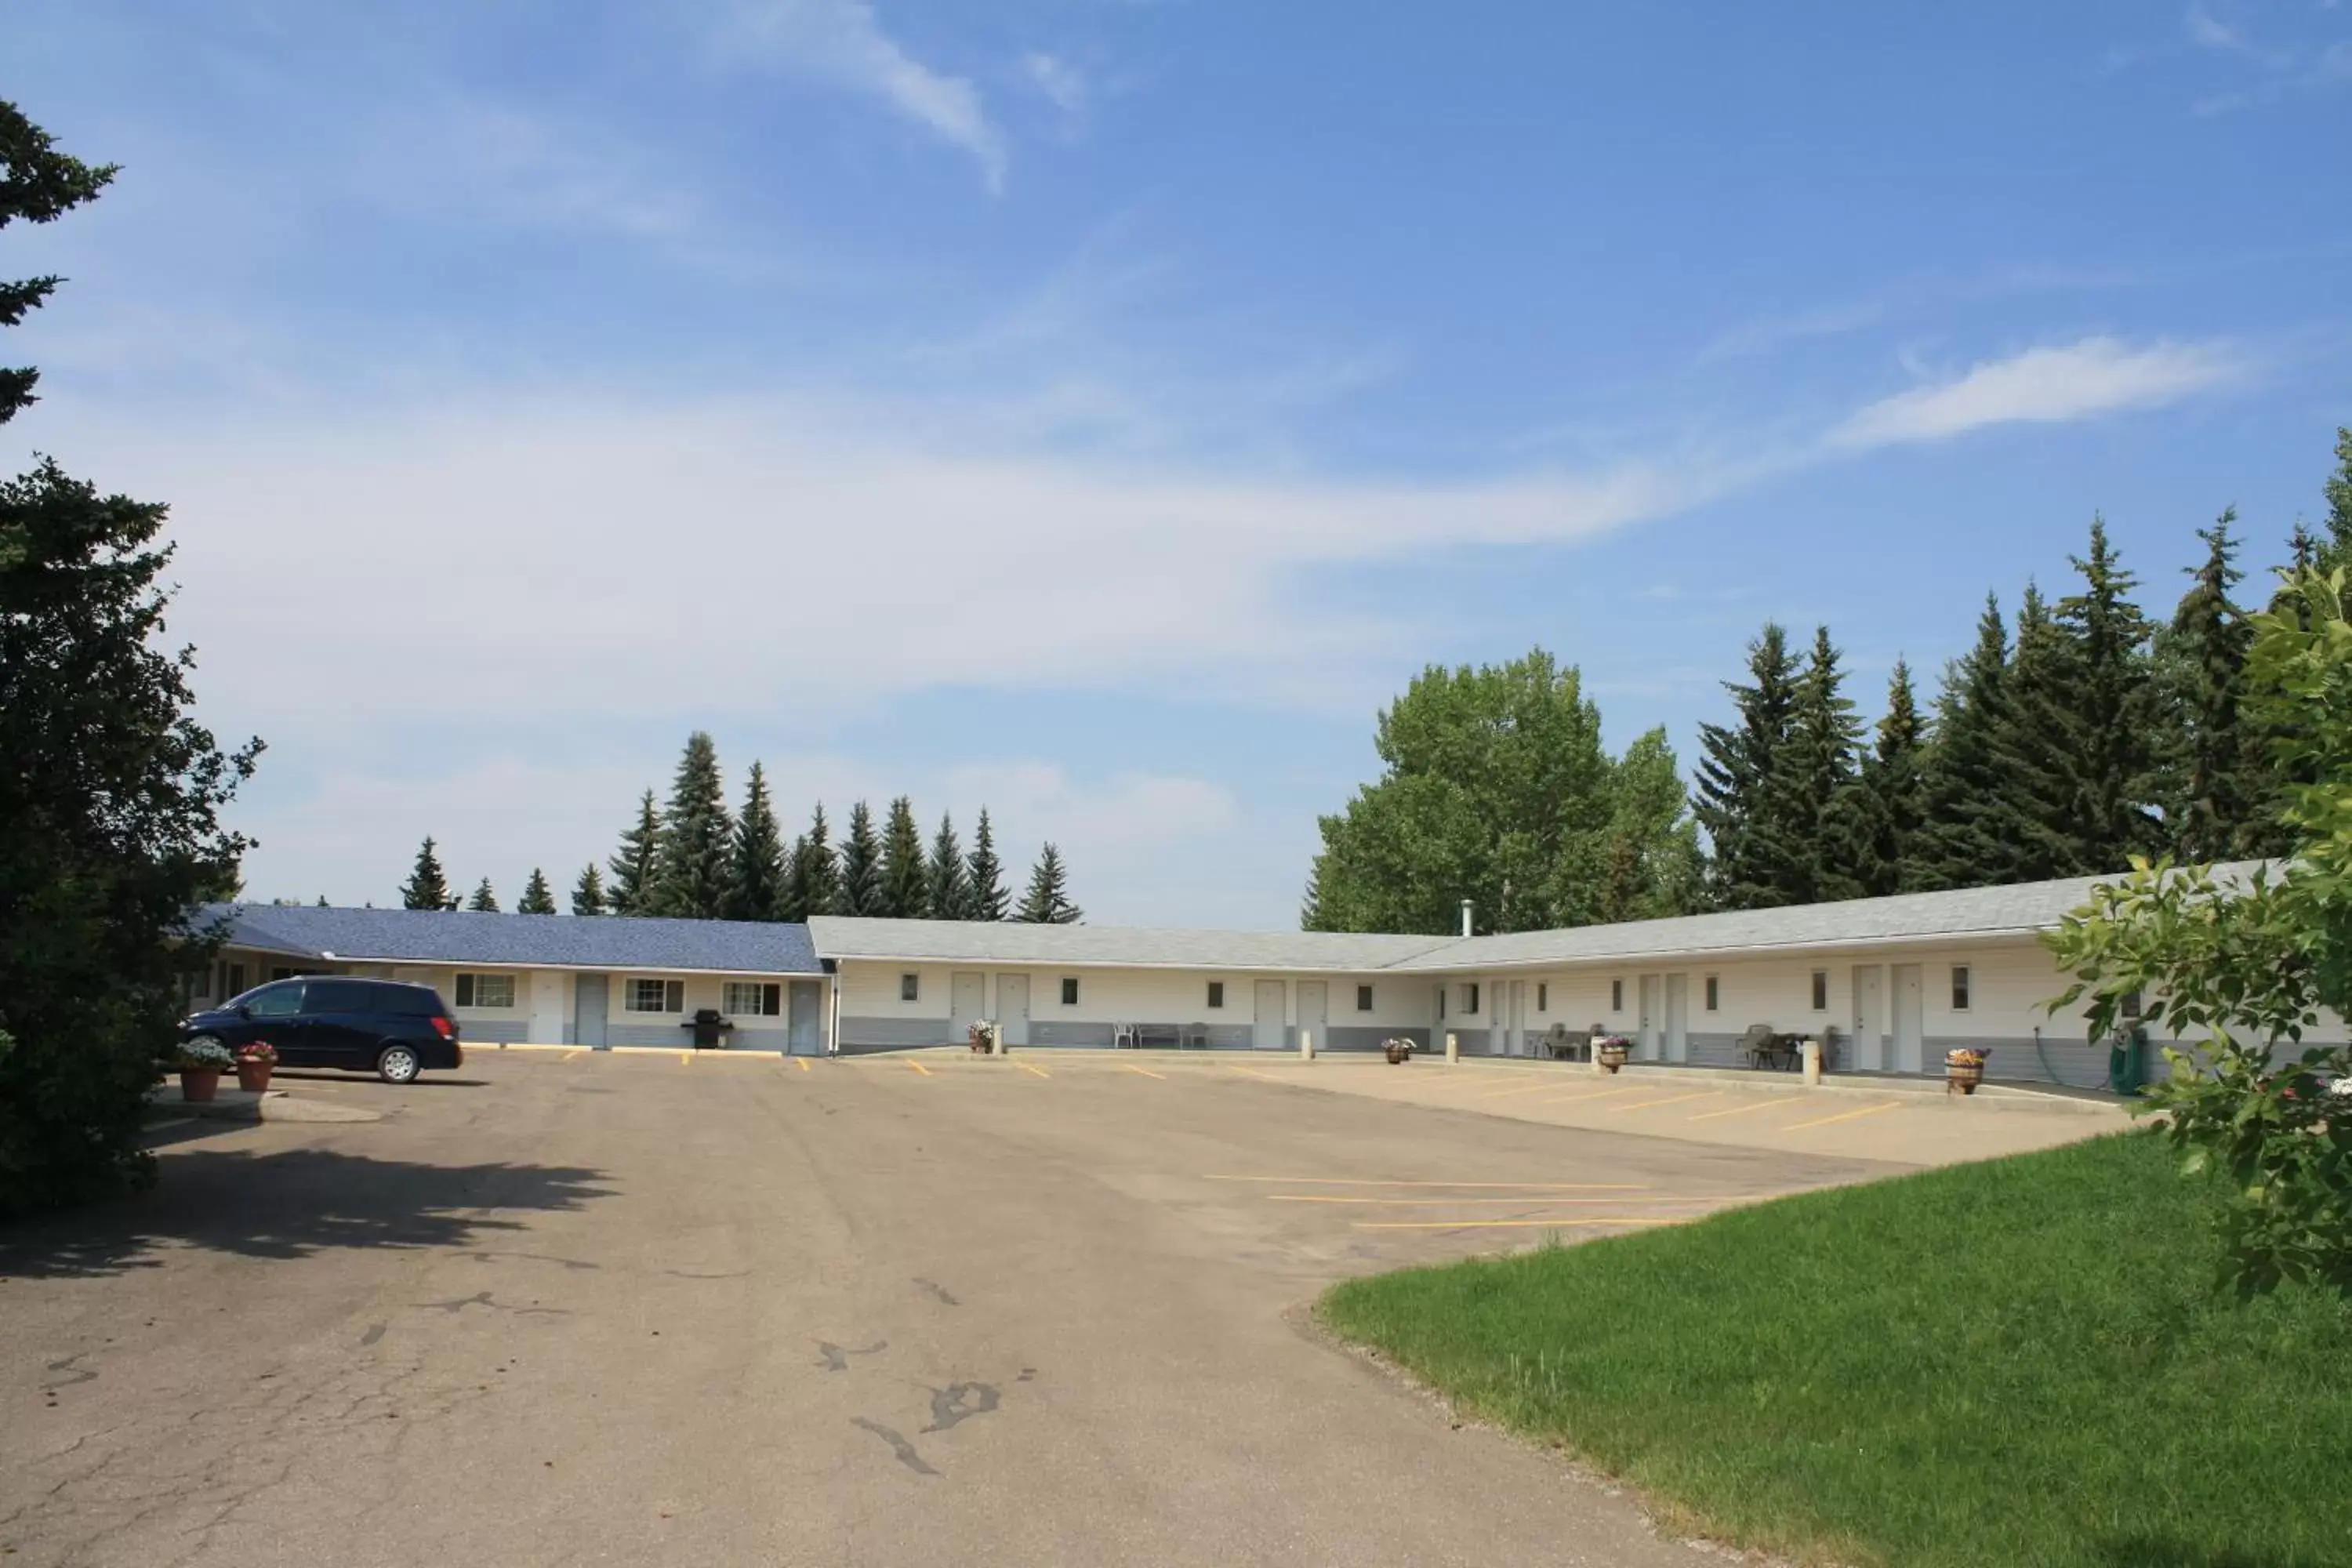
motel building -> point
(1891, 984)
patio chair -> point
(1759, 1045)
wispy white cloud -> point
(1064, 84)
(2208, 31)
(1765, 336)
(844, 41)
(2042, 385)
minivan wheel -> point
(398, 1064)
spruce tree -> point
(484, 901)
(694, 833)
(2109, 724)
(1049, 898)
(2031, 814)
(813, 886)
(948, 894)
(2218, 782)
(986, 899)
(428, 887)
(636, 867)
(2336, 552)
(538, 898)
(1879, 815)
(588, 892)
(756, 874)
(906, 881)
(1737, 767)
(1795, 841)
(861, 866)
(1957, 845)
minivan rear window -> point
(408, 1001)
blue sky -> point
(1100, 408)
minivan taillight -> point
(447, 1030)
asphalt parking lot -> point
(578, 1308)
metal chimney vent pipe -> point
(1466, 917)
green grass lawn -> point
(2016, 1363)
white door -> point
(1678, 1017)
(1013, 1008)
(1869, 1018)
(1519, 1017)
(1313, 1011)
(967, 1004)
(1270, 999)
(1910, 1018)
(1645, 1037)
(546, 1007)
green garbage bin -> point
(2127, 1062)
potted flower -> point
(201, 1063)
(1609, 1051)
(983, 1035)
(1963, 1070)
(253, 1060)
(1398, 1051)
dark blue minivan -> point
(388, 1028)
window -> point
(910, 987)
(1713, 992)
(648, 996)
(497, 991)
(340, 996)
(235, 984)
(1616, 996)
(275, 1001)
(751, 999)
(1364, 998)
(1069, 990)
(1470, 997)
(1821, 990)
(1959, 988)
(1441, 1003)
(1216, 993)
(1543, 998)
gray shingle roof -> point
(843, 936)
(1968, 912)
(458, 936)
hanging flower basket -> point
(1609, 1051)
(1963, 1070)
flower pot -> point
(1396, 1053)
(198, 1084)
(252, 1077)
(1611, 1057)
(1963, 1071)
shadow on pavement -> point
(366, 1080)
(288, 1205)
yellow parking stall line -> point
(1744, 1110)
(1376, 1182)
(1145, 1071)
(918, 1067)
(528, 1046)
(1670, 1099)
(1506, 1223)
(1024, 1066)
(1249, 1072)
(1602, 1094)
(686, 1059)
(577, 1052)
(1843, 1116)
(801, 1062)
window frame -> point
(1617, 996)
(1543, 996)
(673, 996)
(467, 990)
(1714, 992)
(1821, 990)
(1963, 987)
(767, 998)
(1364, 998)
(1471, 997)
(910, 985)
(1069, 990)
(1217, 994)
